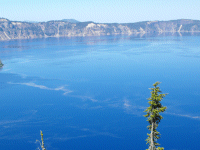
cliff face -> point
(24, 30)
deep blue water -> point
(90, 92)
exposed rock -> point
(25, 30)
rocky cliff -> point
(25, 30)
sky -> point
(101, 11)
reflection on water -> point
(90, 92)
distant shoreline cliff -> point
(10, 30)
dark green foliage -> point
(81, 25)
(1, 64)
(154, 117)
(41, 142)
(136, 25)
(67, 26)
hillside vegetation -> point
(67, 28)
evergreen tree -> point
(42, 142)
(42, 145)
(1, 64)
(154, 117)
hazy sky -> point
(102, 11)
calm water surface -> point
(90, 93)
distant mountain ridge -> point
(70, 20)
(10, 30)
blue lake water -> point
(90, 92)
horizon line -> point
(96, 22)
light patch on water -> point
(31, 84)
(126, 104)
(87, 133)
(86, 98)
(187, 116)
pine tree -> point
(42, 145)
(1, 64)
(154, 117)
(42, 142)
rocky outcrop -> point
(10, 30)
